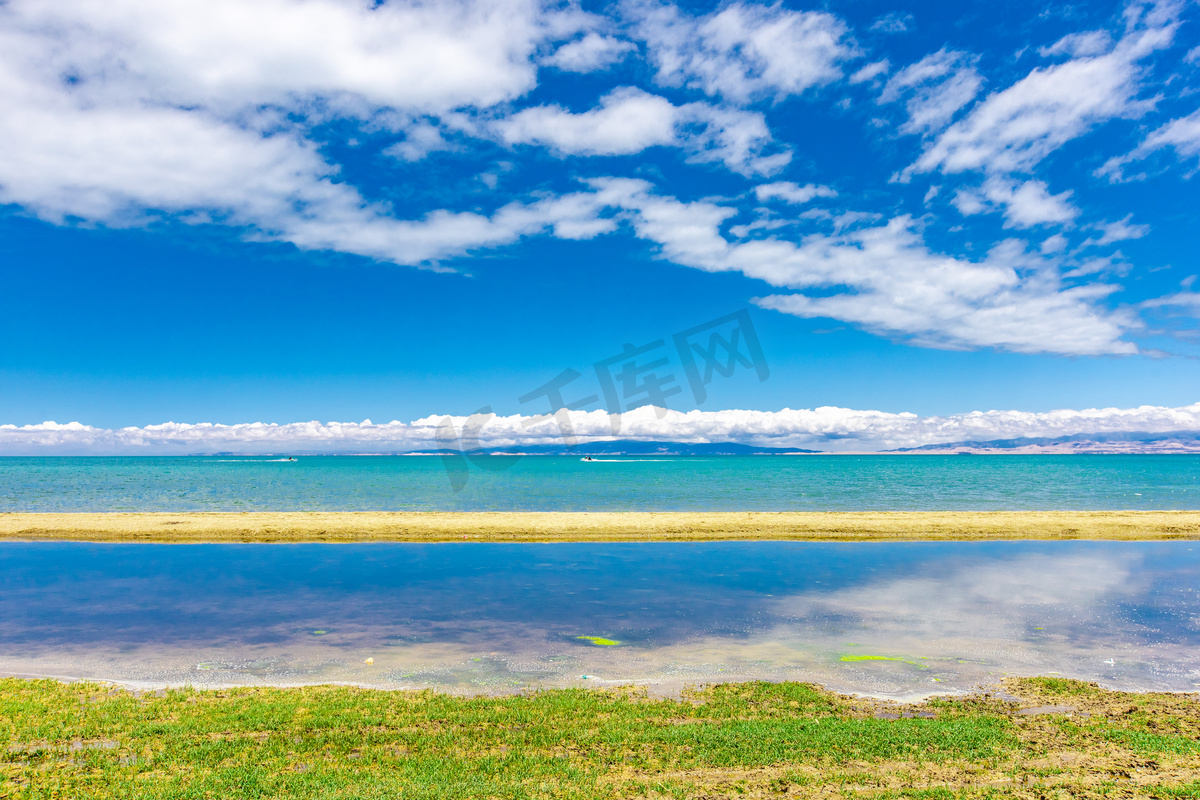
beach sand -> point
(600, 526)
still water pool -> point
(889, 619)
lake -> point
(555, 483)
(890, 619)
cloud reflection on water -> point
(960, 614)
(1073, 595)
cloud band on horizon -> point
(825, 428)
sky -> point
(269, 222)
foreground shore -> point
(1030, 738)
(599, 527)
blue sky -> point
(276, 211)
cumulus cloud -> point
(232, 54)
(592, 53)
(934, 89)
(790, 192)
(969, 202)
(1016, 128)
(1030, 203)
(825, 428)
(131, 110)
(887, 280)
(743, 51)
(420, 140)
(629, 120)
(1025, 204)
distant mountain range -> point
(626, 447)
(1123, 442)
(1130, 442)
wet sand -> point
(599, 526)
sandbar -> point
(371, 526)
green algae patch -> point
(600, 641)
(849, 657)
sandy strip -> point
(591, 527)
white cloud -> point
(225, 53)
(935, 88)
(1189, 300)
(732, 136)
(791, 192)
(592, 53)
(1030, 203)
(1120, 231)
(126, 111)
(1182, 134)
(969, 202)
(419, 141)
(897, 286)
(176, 108)
(1016, 128)
(444, 234)
(871, 71)
(743, 51)
(825, 428)
(121, 164)
(1025, 205)
(894, 22)
(1054, 244)
(1088, 43)
(629, 120)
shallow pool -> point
(891, 619)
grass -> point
(599, 526)
(745, 740)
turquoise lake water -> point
(552, 483)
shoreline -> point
(496, 526)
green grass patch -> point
(1188, 790)
(1065, 686)
(1145, 742)
(90, 741)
